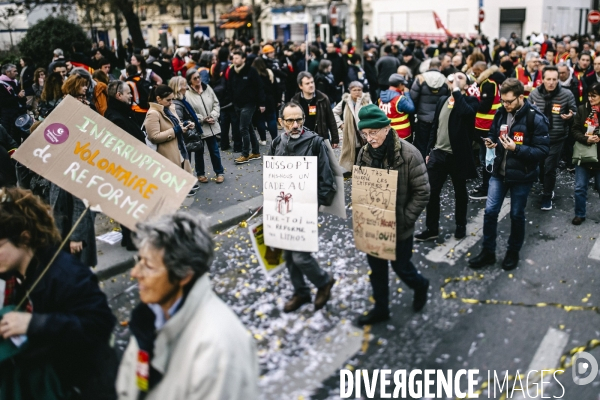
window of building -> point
(511, 20)
(203, 12)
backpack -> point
(143, 88)
(220, 87)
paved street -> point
(301, 353)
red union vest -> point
(82, 65)
(483, 121)
(525, 79)
(399, 120)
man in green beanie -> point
(385, 150)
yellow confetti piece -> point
(510, 276)
(585, 300)
(243, 224)
(237, 295)
(399, 290)
(258, 337)
(561, 327)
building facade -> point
(405, 17)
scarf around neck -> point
(385, 150)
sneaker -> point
(426, 235)
(253, 156)
(478, 194)
(241, 160)
(192, 193)
(546, 204)
(220, 178)
(262, 142)
(460, 232)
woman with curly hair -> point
(76, 86)
(63, 321)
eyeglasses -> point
(291, 121)
(374, 134)
(145, 269)
(508, 102)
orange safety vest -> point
(399, 120)
(561, 57)
(483, 121)
(136, 98)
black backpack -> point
(143, 88)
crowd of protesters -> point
(517, 109)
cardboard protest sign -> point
(93, 159)
(269, 258)
(338, 205)
(374, 211)
(290, 209)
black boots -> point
(511, 260)
(484, 258)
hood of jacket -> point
(388, 95)
(364, 100)
(486, 74)
(434, 78)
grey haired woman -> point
(186, 343)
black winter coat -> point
(11, 106)
(120, 114)
(325, 119)
(461, 126)
(70, 326)
(245, 88)
(521, 164)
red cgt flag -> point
(440, 25)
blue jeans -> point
(270, 119)
(244, 121)
(518, 200)
(582, 178)
(215, 157)
(403, 267)
(302, 264)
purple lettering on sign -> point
(56, 133)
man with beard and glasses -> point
(299, 141)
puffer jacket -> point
(580, 129)
(521, 164)
(426, 91)
(562, 103)
(283, 145)
(413, 191)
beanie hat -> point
(407, 52)
(397, 79)
(372, 117)
(267, 49)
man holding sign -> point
(300, 142)
(380, 204)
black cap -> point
(397, 79)
(407, 52)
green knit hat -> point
(372, 117)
